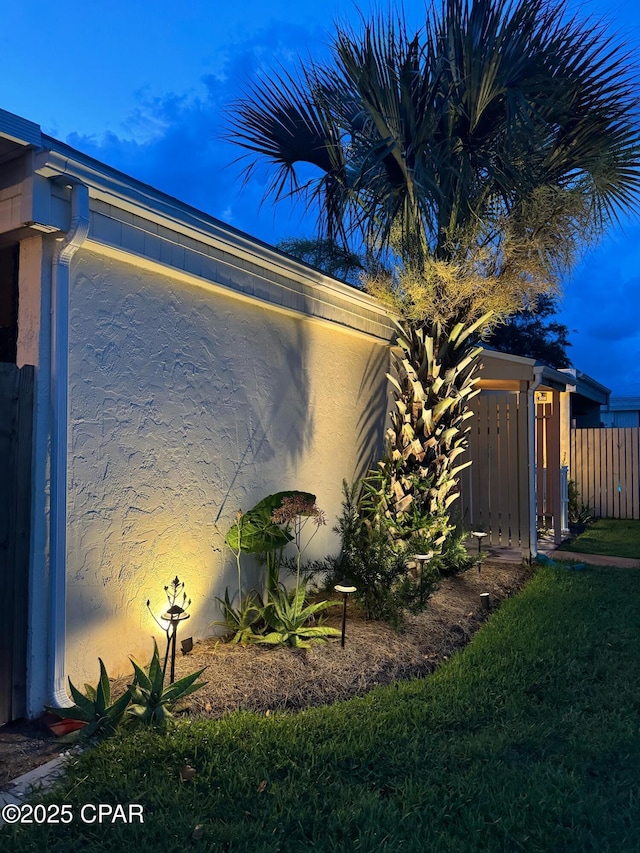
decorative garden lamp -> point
(346, 592)
(172, 618)
(479, 534)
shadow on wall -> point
(374, 401)
(279, 422)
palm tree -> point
(469, 162)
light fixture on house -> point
(174, 615)
(346, 591)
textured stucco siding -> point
(186, 405)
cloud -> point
(175, 142)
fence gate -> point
(495, 488)
(16, 421)
(605, 468)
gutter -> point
(74, 238)
(538, 373)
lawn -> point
(526, 740)
(612, 537)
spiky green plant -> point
(243, 621)
(94, 708)
(287, 618)
(151, 702)
(432, 388)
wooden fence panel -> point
(16, 423)
(605, 468)
(495, 488)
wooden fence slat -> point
(501, 464)
(611, 483)
(522, 456)
(628, 478)
(493, 418)
(635, 474)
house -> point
(181, 370)
(621, 412)
(162, 370)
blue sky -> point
(142, 86)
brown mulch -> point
(264, 679)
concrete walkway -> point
(35, 780)
(593, 559)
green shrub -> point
(375, 561)
(580, 514)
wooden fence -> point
(495, 495)
(605, 467)
(16, 423)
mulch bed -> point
(264, 679)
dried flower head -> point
(294, 506)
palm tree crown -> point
(500, 119)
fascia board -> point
(554, 379)
(115, 188)
(506, 356)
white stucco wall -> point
(185, 405)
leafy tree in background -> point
(529, 333)
(327, 256)
(469, 163)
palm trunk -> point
(434, 382)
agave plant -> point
(287, 618)
(151, 702)
(242, 621)
(94, 708)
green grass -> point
(608, 536)
(528, 740)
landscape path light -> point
(421, 559)
(346, 591)
(174, 615)
(479, 535)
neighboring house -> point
(587, 399)
(621, 412)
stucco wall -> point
(186, 405)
